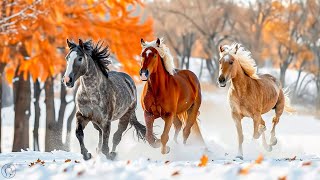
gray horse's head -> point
(79, 57)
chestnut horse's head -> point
(149, 60)
(153, 54)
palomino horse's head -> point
(228, 65)
(76, 62)
(149, 60)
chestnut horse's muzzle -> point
(144, 74)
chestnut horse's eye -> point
(155, 56)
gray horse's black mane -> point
(99, 54)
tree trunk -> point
(2, 65)
(36, 92)
(22, 113)
(62, 109)
(283, 70)
(51, 140)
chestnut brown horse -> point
(174, 95)
(250, 94)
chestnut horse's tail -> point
(287, 105)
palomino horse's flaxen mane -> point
(244, 58)
(164, 53)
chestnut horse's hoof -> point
(112, 155)
(165, 150)
(87, 156)
(156, 143)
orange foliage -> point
(203, 161)
(40, 44)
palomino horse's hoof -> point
(268, 148)
(87, 156)
(239, 157)
(165, 150)
(273, 141)
(112, 155)
(261, 128)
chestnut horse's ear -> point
(142, 42)
(81, 44)
(158, 42)
(237, 47)
(221, 48)
(70, 44)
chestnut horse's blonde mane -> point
(244, 58)
(164, 53)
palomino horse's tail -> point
(140, 129)
(287, 105)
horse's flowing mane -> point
(244, 57)
(164, 53)
(99, 54)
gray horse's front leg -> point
(81, 124)
(105, 135)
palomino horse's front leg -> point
(149, 119)
(237, 120)
(81, 124)
(165, 134)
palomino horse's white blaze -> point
(71, 58)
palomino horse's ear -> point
(142, 42)
(70, 44)
(221, 48)
(158, 42)
(237, 47)
(81, 44)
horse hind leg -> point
(192, 123)
(259, 129)
(177, 126)
(278, 110)
(81, 124)
(117, 136)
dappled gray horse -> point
(103, 96)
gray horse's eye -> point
(80, 59)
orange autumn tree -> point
(43, 41)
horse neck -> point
(240, 81)
(92, 76)
(159, 78)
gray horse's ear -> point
(158, 42)
(143, 43)
(70, 44)
(81, 44)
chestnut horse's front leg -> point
(165, 135)
(149, 119)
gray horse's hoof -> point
(87, 156)
(165, 150)
(239, 157)
(273, 141)
(112, 155)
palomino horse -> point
(174, 95)
(250, 95)
(103, 96)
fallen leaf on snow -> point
(166, 162)
(203, 161)
(282, 178)
(259, 159)
(306, 163)
(67, 160)
(175, 173)
(80, 173)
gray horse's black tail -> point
(140, 129)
